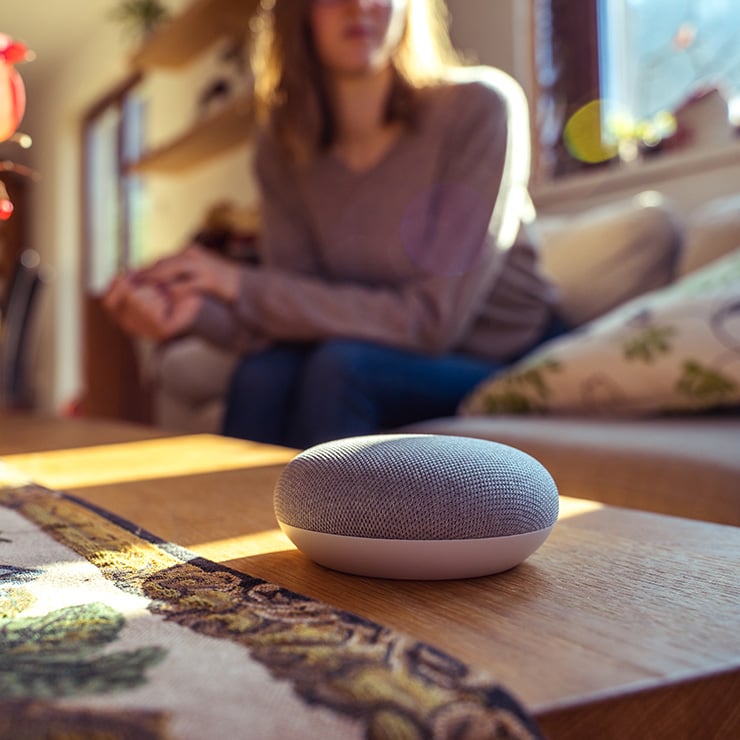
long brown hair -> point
(291, 97)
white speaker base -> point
(415, 559)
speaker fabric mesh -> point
(417, 487)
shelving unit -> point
(175, 43)
(181, 38)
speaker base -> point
(431, 560)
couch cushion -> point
(610, 254)
(676, 349)
(193, 370)
(684, 466)
(177, 414)
(712, 231)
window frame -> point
(603, 181)
(115, 101)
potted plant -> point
(140, 17)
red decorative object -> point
(6, 209)
(6, 206)
(12, 90)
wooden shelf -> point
(225, 129)
(179, 39)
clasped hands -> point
(163, 300)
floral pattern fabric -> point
(673, 350)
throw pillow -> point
(609, 254)
(674, 350)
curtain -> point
(566, 57)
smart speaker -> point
(416, 506)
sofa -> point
(630, 440)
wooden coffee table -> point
(623, 624)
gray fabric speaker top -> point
(417, 487)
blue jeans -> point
(302, 394)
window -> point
(612, 75)
(113, 221)
(114, 197)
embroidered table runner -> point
(108, 631)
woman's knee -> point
(334, 394)
(260, 395)
(265, 373)
(339, 362)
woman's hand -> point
(195, 270)
(148, 310)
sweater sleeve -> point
(283, 245)
(217, 323)
(457, 253)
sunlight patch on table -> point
(142, 460)
(570, 507)
(244, 546)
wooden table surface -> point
(623, 624)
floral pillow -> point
(674, 349)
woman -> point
(397, 272)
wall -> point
(482, 29)
(54, 119)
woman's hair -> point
(291, 97)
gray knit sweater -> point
(407, 253)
